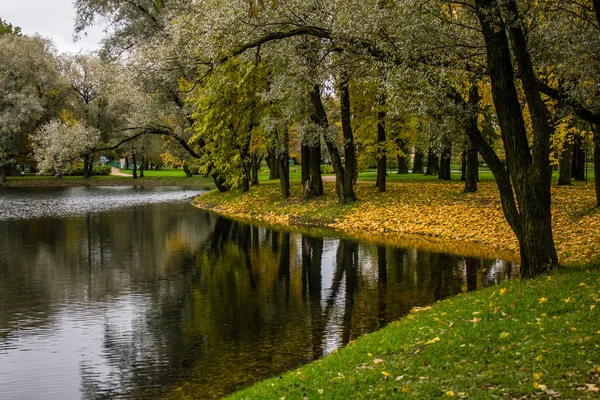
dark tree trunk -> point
(380, 183)
(316, 183)
(463, 166)
(126, 162)
(471, 164)
(305, 167)
(319, 117)
(578, 164)
(347, 192)
(86, 166)
(596, 129)
(187, 171)
(142, 166)
(472, 173)
(444, 171)
(418, 163)
(565, 164)
(134, 166)
(255, 169)
(433, 162)
(91, 165)
(244, 184)
(528, 167)
(220, 182)
(3, 173)
(381, 150)
(273, 165)
(403, 159)
(283, 165)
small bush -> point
(96, 170)
(327, 169)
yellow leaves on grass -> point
(432, 341)
(542, 300)
(432, 210)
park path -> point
(115, 171)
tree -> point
(27, 78)
(57, 144)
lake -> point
(133, 293)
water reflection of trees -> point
(222, 304)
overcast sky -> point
(49, 18)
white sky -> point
(54, 19)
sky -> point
(50, 18)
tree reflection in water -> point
(188, 303)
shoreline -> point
(430, 216)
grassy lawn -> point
(109, 180)
(521, 339)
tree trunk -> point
(418, 163)
(565, 164)
(403, 159)
(471, 162)
(347, 192)
(305, 155)
(319, 117)
(578, 164)
(273, 165)
(86, 166)
(444, 171)
(220, 182)
(127, 162)
(432, 163)
(134, 165)
(316, 182)
(3, 173)
(596, 129)
(284, 176)
(255, 169)
(244, 185)
(187, 171)
(142, 166)
(528, 167)
(472, 170)
(381, 150)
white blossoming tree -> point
(58, 144)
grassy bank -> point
(522, 339)
(424, 213)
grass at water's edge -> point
(521, 339)
(110, 180)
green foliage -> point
(7, 28)
(98, 170)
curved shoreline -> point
(431, 216)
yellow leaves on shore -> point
(429, 210)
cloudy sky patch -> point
(50, 18)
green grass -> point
(109, 180)
(537, 338)
(162, 173)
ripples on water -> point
(161, 300)
(30, 203)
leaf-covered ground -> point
(424, 214)
(519, 340)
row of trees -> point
(234, 82)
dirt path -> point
(115, 171)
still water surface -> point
(134, 298)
